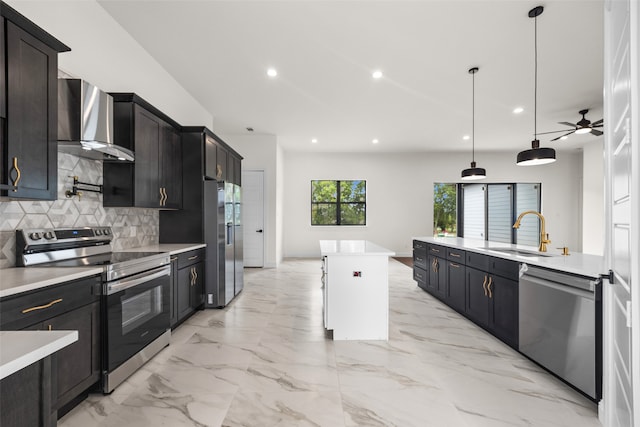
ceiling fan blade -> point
(566, 134)
(596, 132)
(554, 131)
(597, 122)
(568, 124)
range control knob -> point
(107, 231)
(49, 235)
(35, 236)
(98, 232)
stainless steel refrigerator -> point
(230, 240)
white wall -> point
(400, 195)
(593, 198)
(260, 152)
(103, 53)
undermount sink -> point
(521, 252)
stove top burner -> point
(109, 258)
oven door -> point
(137, 312)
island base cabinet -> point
(477, 304)
(456, 288)
(26, 398)
(504, 310)
(357, 297)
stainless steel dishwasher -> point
(561, 326)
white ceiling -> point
(325, 52)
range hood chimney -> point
(85, 122)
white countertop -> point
(577, 263)
(172, 248)
(352, 247)
(22, 279)
(19, 349)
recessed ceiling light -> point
(375, 141)
(271, 72)
(314, 141)
(518, 110)
(562, 138)
(377, 74)
(466, 137)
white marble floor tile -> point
(266, 360)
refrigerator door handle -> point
(229, 233)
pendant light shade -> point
(473, 173)
(536, 155)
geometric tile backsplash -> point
(132, 227)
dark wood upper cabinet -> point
(28, 108)
(154, 179)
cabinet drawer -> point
(479, 261)
(419, 246)
(24, 310)
(437, 250)
(419, 275)
(420, 260)
(504, 267)
(186, 259)
(456, 255)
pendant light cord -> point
(473, 117)
(535, 84)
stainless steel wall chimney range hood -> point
(85, 122)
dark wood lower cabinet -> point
(456, 286)
(477, 305)
(187, 291)
(78, 365)
(437, 276)
(504, 309)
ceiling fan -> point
(581, 127)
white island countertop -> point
(577, 263)
(19, 349)
(352, 247)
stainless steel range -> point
(135, 295)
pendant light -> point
(473, 173)
(536, 155)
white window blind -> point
(500, 217)
(528, 199)
(473, 211)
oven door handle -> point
(138, 279)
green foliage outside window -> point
(444, 210)
(338, 202)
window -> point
(491, 209)
(487, 211)
(339, 202)
(444, 210)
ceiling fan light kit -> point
(536, 155)
(473, 173)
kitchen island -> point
(26, 367)
(355, 289)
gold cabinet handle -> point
(50, 328)
(40, 307)
(195, 279)
(489, 287)
(161, 195)
(436, 265)
(454, 255)
(435, 250)
(192, 257)
(173, 258)
(454, 265)
(166, 196)
(484, 286)
(18, 174)
(218, 172)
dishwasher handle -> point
(528, 280)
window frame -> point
(338, 204)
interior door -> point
(621, 192)
(253, 217)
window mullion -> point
(338, 207)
